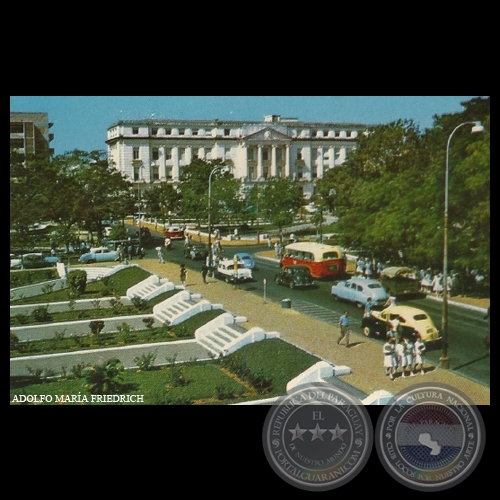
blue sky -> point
(81, 122)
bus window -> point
(330, 255)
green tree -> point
(280, 201)
(105, 378)
(162, 199)
(194, 183)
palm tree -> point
(105, 378)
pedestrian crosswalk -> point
(320, 312)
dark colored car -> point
(296, 276)
(34, 260)
(196, 252)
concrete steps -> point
(150, 287)
(223, 335)
(181, 306)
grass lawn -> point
(126, 336)
(257, 371)
(96, 312)
(117, 284)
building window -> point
(251, 173)
(168, 131)
(182, 154)
(299, 154)
(154, 131)
(155, 154)
(250, 154)
(265, 154)
(194, 131)
(168, 173)
(181, 131)
(156, 174)
(227, 131)
(135, 153)
(279, 154)
(168, 153)
(135, 130)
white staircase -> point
(150, 287)
(223, 335)
(95, 273)
(181, 306)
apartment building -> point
(29, 134)
(156, 150)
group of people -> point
(368, 268)
(405, 355)
(402, 353)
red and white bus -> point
(174, 232)
(324, 261)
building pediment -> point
(267, 134)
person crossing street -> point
(344, 328)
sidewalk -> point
(315, 336)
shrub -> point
(139, 303)
(14, 340)
(77, 281)
(96, 326)
(41, 313)
(146, 362)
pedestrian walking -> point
(389, 357)
(183, 274)
(368, 308)
(161, 258)
(344, 328)
(269, 243)
(418, 354)
(391, 301)
(204, 272)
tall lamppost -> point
(260, 179)
(444, 361)
(210, 214)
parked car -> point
(295, 276)
(400, 281)
(246, 259)
(196, 251)
(411, 319)
(35, 260)
(98, 254)
(357, 290)
(174, 232)
(226, 271)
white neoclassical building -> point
(156, 150)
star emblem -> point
(297, 433)
(317, 433)
(337, 433)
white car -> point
(98, 254)
(226, 270)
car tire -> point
(226, 279)
(291, 285)
(277, 281)
(335, 297)
(367, 331)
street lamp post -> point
(444, 361)
(210, 215)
